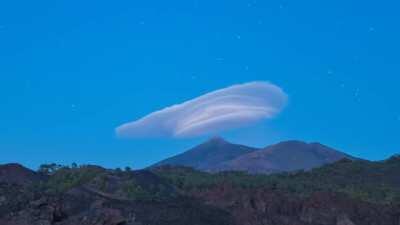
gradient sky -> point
(72, 71)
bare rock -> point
(344, 220)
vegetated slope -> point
(368, 181)
(344, 193)
(91, 195)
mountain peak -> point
(208, 155)
(217, 139)
(394, 158)
(285, 156)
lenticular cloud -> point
(216, 111)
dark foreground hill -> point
(218, 155)
(17, 174)
(344, 193)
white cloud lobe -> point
(220, 110)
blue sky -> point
(72, 71)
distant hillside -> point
(284, 157)
(208, 155)
(220, 155)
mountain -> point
(219, 155)
(90, 195)
(208, 155)
(284, 157)
(17, 174)
(346, 192)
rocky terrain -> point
(343, 193)
(75, 196)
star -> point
(73, 107)
(357, 92)
(250, 4)
(357, 95)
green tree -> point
(74, 166)
(49, 168)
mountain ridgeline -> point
(215, 183)
(346, 192)
(218, 155)
(209, 155)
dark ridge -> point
(345, 192)
(14, 173)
